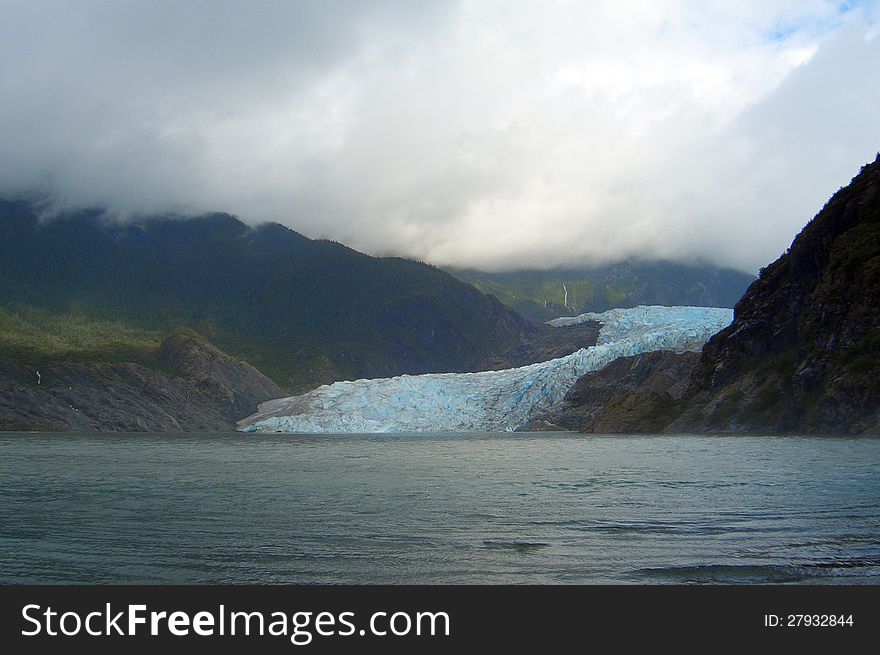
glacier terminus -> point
(487, 401)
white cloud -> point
(495, 134)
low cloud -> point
(488, 134)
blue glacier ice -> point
(489, 401)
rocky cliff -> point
(803, 351)
(632, 394)
(802, 354)
(202, 389)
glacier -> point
(487, 401)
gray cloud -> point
(477, 133)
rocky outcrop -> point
(232, 384)
(631, 394)
(803, 351)
(545, 342)
(802, 354)
(203, 390)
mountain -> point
(544, 295)
(303, 311)
(802, 354)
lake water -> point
(507, 508)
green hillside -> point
(304, 312)
(543, 295)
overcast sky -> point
(481, 133)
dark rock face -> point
(803, 351)
(232, 384)
(213, 391)
(802, 354)
(820, 298)
(631, 394)
(544, 342)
